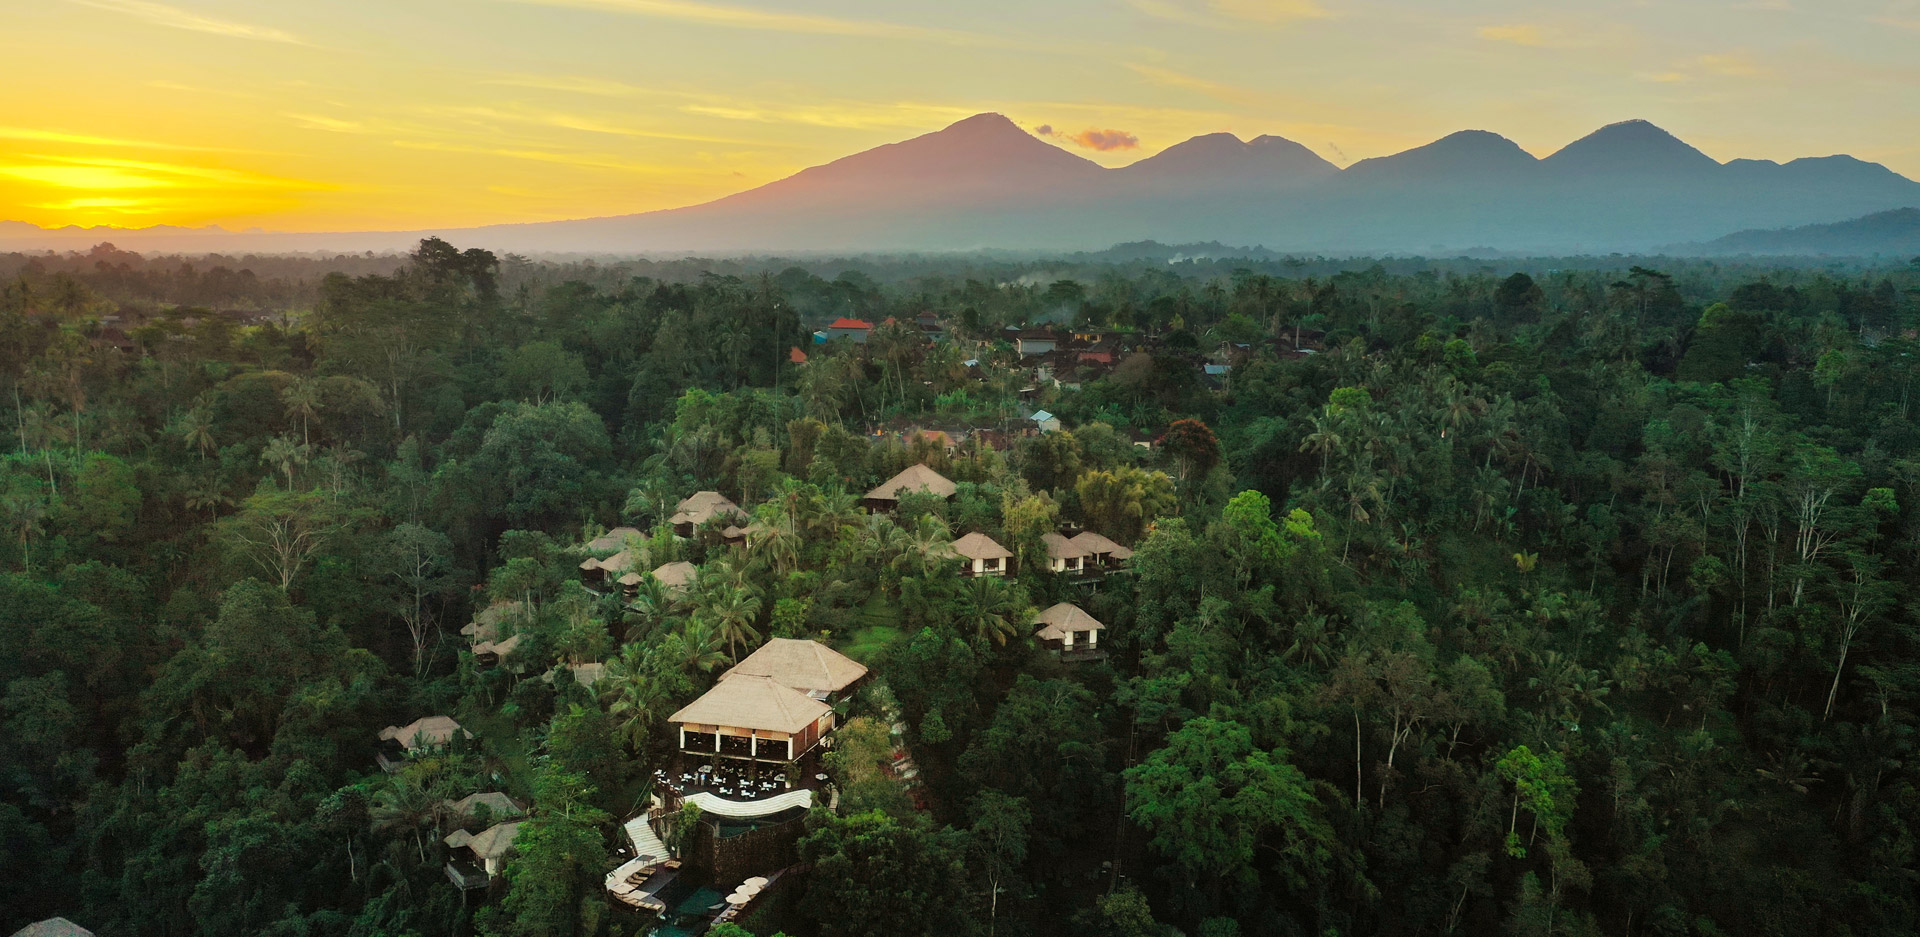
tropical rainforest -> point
(1546, 597)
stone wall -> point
(736, 858)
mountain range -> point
(984, 182)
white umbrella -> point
(758, 881)
(749, 889)
(738, 898)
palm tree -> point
(697, 647)
(283, 453)
(404, 803)
(928, 545)
(207, 499)
(732, 614)
(630, 690)
(302, 398)
(991, 609)
(25, 508)
(195, 428)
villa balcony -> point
(466, 876)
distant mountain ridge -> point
(984, 182)
(1889, 233)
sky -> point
(398, 114)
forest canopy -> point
(1462, 596)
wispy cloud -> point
(1731, 64)
(738, 17)
(570, 84)
(1521, 34)
(101, 174)
(329, 124)
(1231, 14)
(177, 18)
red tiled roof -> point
(1103, 357)
(844, 323)
(797, 356)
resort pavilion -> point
(983, 556)
(771, 709)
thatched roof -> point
(489, 844)
(913, 478)
(753, 702)
(1092, 543)
(979, 546)
(807, 666)
(1056, 622)
(618, 563)
(486, 625)
(1060, 548)
(498, 648)
(53, 927)
(702, 506)
(500, 805)
(615, 539)
(434, 730)
(676, 575)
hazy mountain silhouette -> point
(1889, 233)
(1214, 158)
(983, 182)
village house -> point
(1068, 630)
(853, 330)
(485, 856)
(427, 732)
(913, 478)
(1030, 342)
(983, 556)
(701, 507)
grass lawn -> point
(877, 627)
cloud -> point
(329, 124)
(1231, 14)
(1732, 64)
(1045, 130)
(99, 174)
(1520, 34)
(164, 15)
(570, 84)
(1105, 140)
(1269, 11)
(734, 17)
(54, 136)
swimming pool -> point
(727, 827)
(690, 909)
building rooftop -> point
(913, 478)
(807, 666)
(615, 539)
(1064, 617)
(434, 730)
(500, 805)
(53, 927)
(1060, 548)
(702, 506)
(676, 575)
(753, 702)
(979, 546)
(1092, 543)
(491, 843)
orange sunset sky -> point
(393, 114)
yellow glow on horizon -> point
(369, 115)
